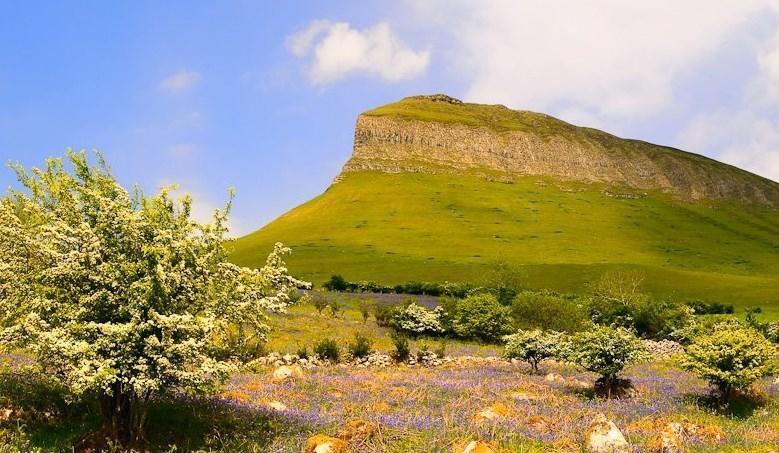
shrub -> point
(418, 320)
(302, 352)
(336, 283)
(648, 317)
(658, 319)
(402, 348)
(327, 349)
(482, 317)
(710, 308)
(769, 329)
(606, 351)
(548, 310)
(361, 346)
(730, 356)
(504, 282)
(365, 312)
(533, 346)
(319, 301)
(384, 314)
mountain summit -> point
(441, 134)
(441, 190)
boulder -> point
(603, 436)
(475, 446)
(285, 372)
(325, 444)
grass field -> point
(394, 228)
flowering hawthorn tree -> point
(123, 296)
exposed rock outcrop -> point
(416, 135)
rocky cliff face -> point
(438, 134)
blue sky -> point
(262, 96)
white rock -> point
(277, 406)
(285, 372)
(603, 436)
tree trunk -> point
(124, 415)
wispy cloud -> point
(180, 82)
(603, 60)
(334, 50)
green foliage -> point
(327, 349)
(533, 346)
(302, 352)
(618, 301)
(125, 296)
(710, 308)
(504, 281)
(730, 356)
(560, 240)
(482, 317)
(365, 311)
(606, 351)
(319, 301)
(336, 283)
(402, 348)
(769, 329)
(549, 310)
(384, 314)
(659, 319)
(361, 346)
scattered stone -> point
(357, 430)
(554, 377)
(494, 412)
(671, 439)
(325, 444)
(285, 372)
(663, 348)
(475, 446)
(277, 406)
(603, 436)
(522, 396)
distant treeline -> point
(504, 294)
(460, 290)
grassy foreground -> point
(394, 228)
(414, 409)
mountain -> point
(437, 189)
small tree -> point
(124, 296)
(418, 320)
(533, 346)
(730, 356)
(482, 317)
(336, 283)
(606, 351)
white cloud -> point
(765, 88)
(744, 139)
(335, 50)
(602, 60)
(180, 82)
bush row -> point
(729, 354)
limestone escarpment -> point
(440, 134)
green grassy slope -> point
(398, 227)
